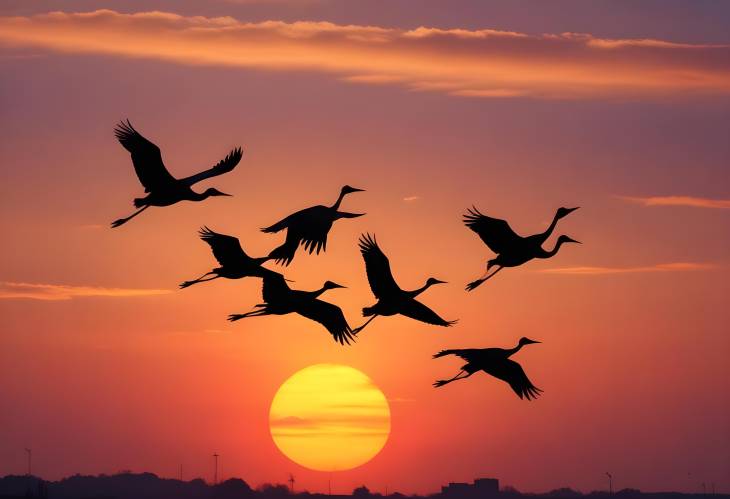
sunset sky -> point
(432, 106)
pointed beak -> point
(571, 210)
(438, 281)
(354, 189)
(335, 285)
(224, 194)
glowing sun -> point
(329, 417)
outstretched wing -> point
(146, 157)
(331, 317)
(377, 267)
(468, 354)
(225, 165)
(510, 371)
(274, 288)
(417, 310)
(496, 233)
(308, 227)
(226, 249)
(285, 222)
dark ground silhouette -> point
(128, 485)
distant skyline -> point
(516, 108)
(143, 481)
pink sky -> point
(105, 365)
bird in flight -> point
(309, 227)
(392, 299)
(279, 299)
(235, 263)
(511, 248)
(163, 189)
(495, 362)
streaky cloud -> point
(661, 267)
(58, 292)
(690, 201)
(484, 63)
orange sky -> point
(105, 365)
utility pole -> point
(610, 482)
(291, 482)
(30, 456)
(215, 474)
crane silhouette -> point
(392, 299)
(512, 249)
(281, 300)
(495, 362)
(309, 227)
(235, 263)
(163, 189)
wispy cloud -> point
(691, 201)
(56, 292)
(408, 199)
(482, 63)
(661, 267)
(337, 419)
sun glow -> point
(329, 417)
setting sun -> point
(329, 417)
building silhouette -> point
(482, 488)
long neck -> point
(550, 229)
(552, 252)
(420, 290)
(512, 351)
(339, 200)
(315, 294)
(198, 196)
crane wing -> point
(468, 354)
(331, 317)
(295, 218)
(309, 227)
(417, 310)
(377, 267)
(510, 371)
(226, 249)
(225, 165)
(496, 233)
(146, 158)
(274, 288)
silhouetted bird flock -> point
(310, 228)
